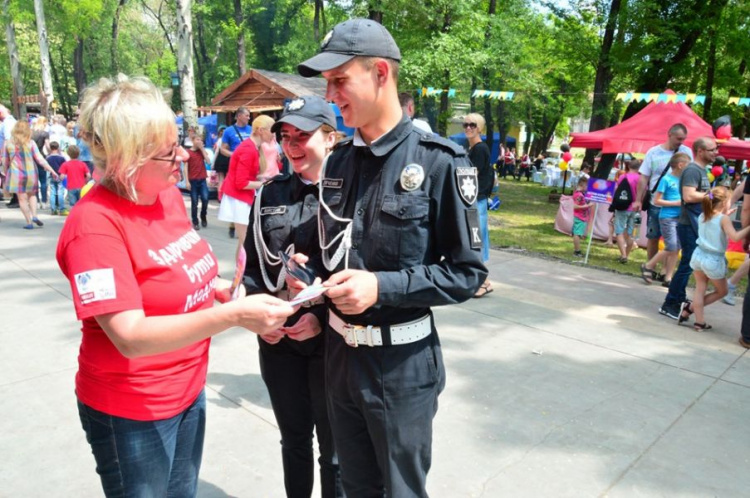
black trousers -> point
(745, 328)
(381, 403)
(294, 375)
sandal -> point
(666, 283)
(700, 327)
(483, 290)
(622, 260)
(28, 227)
(38, 222)
(685, 308)
(646, 274)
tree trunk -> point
(710, 72)
(375, 15)
(241, 54)
(115, 34)
(529, 128)
(19, 109)
(319, 15)
(486, 77)
(79, 72)
(443, 112)
(600, 105)
(185, 61)
(61, 82)
(41, 28)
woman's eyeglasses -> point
(470, 125)
(172, 158)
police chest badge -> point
(412, 177)
(467, 182)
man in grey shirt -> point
(694, 185)
(656, 161)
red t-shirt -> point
(244, 166)
(579, 198)
(121, 256)
(196, 165)
(76, 172)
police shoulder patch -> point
(467, 183)
(443, 143)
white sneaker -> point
(729, 298)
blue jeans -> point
(137, 459)
(74, 195)
(484, 228)
(676, 294)
(42, 173)
(56, 196)
(198, 188)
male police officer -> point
(400, 233)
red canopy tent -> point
(649, 127)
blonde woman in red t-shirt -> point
(143, 285)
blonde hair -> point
(125, 121)
(261, 122)
(713, 201)
(478, 119)
(40, 124)
(21, 134)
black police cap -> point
(349, 39)
(307, 113)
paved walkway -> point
(564, 382)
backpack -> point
(623, 196)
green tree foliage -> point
(547, 52)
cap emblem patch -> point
(296, 105)
(326, 39)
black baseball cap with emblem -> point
(307, 113)
(349, 39)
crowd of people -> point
(686, 210)
(42, 166)
(385, 225)
(373, 230)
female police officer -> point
(284, 219)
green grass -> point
(526, 222)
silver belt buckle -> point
(351, 335)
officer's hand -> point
(352, 291)
(306, 327)
(291, 282)
(273, 337)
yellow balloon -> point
(710, 177)
(563, 165)
(87, 187)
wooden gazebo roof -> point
(260, 90)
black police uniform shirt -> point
(288, 215)
(422, 244)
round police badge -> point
(412, 177)
(295, 105)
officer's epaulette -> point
(343, 142)
(444, 143)
(281, 177)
